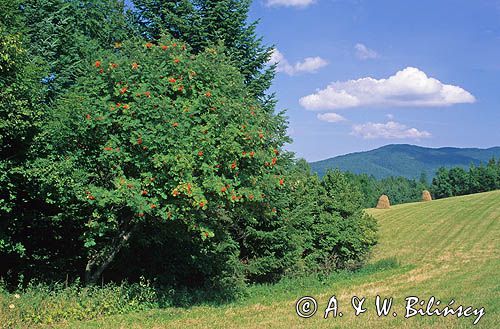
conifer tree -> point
(66, 32)
(205, 22)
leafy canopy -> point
(154, 133)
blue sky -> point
(359, 74)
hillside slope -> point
(448, 248)
(405, 160)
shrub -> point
(342, 234)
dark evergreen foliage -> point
(457, 181)
(202, 23)
(398, 189)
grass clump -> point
(48, 304)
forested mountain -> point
(406, 160)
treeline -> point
(447, 182)
(458, 181)
(143, 144)
(398, 189)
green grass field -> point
(446, 248)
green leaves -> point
(89, 243)
(153, 152)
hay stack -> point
(426, 196)
(383, 202)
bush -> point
(343, 234)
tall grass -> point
(48, 304)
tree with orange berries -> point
(146, 150)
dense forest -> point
(457, 181)
(143, 145)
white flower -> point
(12, 306)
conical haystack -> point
(426, 196)
(383, 202)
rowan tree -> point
(153, 133)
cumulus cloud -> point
(308, 65)
(331, 117)
(409, 87)
(389, 130)
(363, 52)
(289, 3)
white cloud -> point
(390, 116)
(409, 87)
(330, 117)
(289, 3)
(389, 130)
(308, 65)
(363, 52)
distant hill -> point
(405, 160)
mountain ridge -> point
(406, 160)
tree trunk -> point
(100, 262)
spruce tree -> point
(66, 32)
(202, 23)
